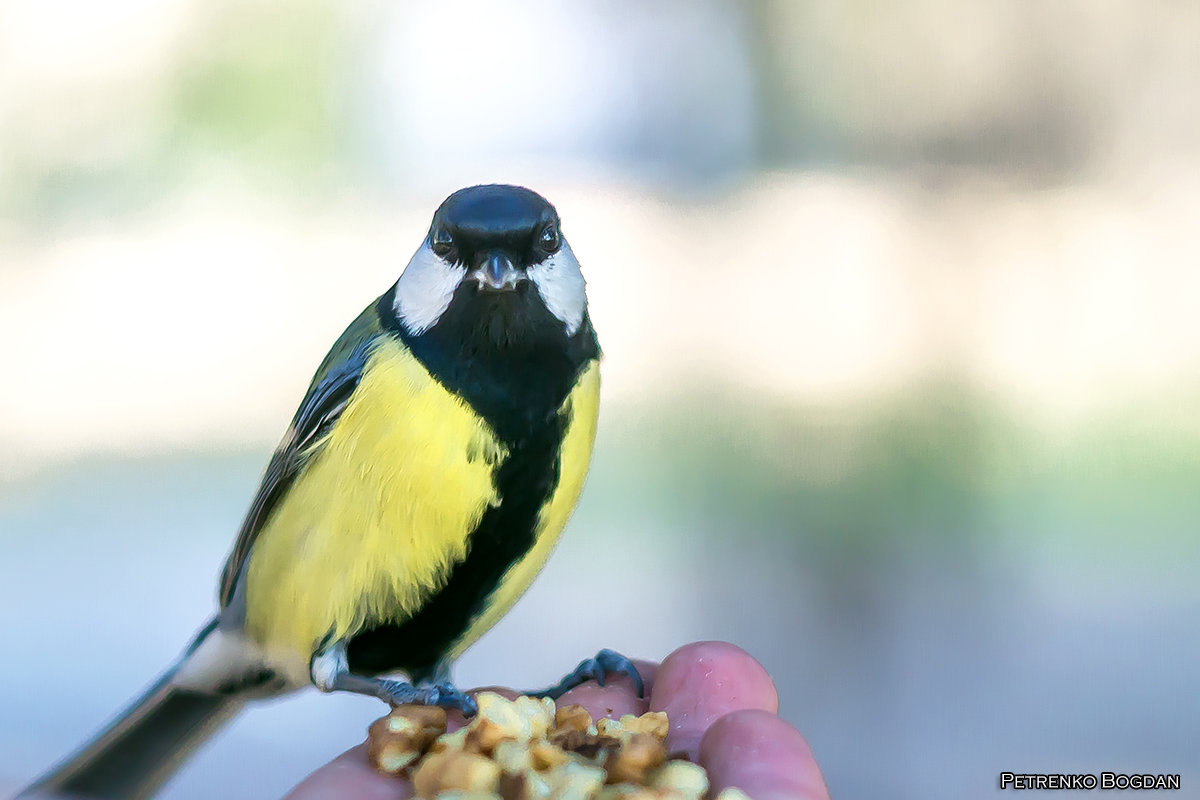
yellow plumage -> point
(374, 523)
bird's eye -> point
(442, 244)
(550, 241)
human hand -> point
(722, 706)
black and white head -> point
(496, 265)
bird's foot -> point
(330, 673)
(446, 695)
(604, 664)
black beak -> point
(497, 272)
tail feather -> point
(131, 758)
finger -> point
(616, 697)
(350, 775)
(762, 755)
(701, 682)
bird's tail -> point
(143, 747)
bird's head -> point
(494, 259)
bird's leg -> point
(330, 672)
(606, 662)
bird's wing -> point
(327, 397)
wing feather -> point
(328, 395)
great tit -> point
(416, 494)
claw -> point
(400, 693)
(447, 695)
(605, 663)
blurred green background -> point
(899, 314)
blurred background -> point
(899, 308)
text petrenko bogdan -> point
(1103, 780)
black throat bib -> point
(511, 360)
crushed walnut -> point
(526, 749)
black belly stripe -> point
(504, 534)
(517, 387)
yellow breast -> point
(377, 519)
(374, 522)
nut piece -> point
(425, 717)
(621, 791)
(538, 712)
(390, 758)
(450, 741)
(627, 791)
(397, 740)
(609, 727)
(512, 756)
(499, 719)
(483, 736)
(526, 786)
(573, 717)
(587, 745)
(544, 755)
(732, 793)
(654, 723)
(630, 764)
(573, 781)
(688, 779)
(455, 770)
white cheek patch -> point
(425, 290)
(560, 283)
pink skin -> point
(722, 706)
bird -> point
(419, 489)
